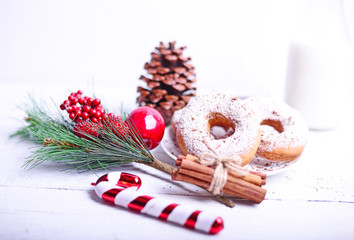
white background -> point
(53, 47)
(72, 43)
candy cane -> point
(120, 189)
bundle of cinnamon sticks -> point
(247, 187)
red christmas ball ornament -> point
(150, 124)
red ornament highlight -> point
(151, 125)
(119, 188)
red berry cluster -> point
(116, 124)
(82, 107)
(86, 128)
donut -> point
(175, 120)
(194, 122)
(284, 131)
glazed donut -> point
(284, 131)
(194, 122)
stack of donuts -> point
(256, 127)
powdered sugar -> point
(294, 132)
(204, 108)
(171, 148)
(282, 126)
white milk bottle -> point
(319, 69)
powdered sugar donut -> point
(194, 122)
(175, 120)
(284, 131)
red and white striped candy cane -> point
(120, 189)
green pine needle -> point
(55, 140)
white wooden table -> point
(312, 200)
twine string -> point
(222, 165)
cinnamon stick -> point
(245, 194)
(262, 175)
(235, 182)
(241, 188)
(176, 176)
(257, 178)
(247, 187)
(251, 178)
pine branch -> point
(53, 134)
(57, 142)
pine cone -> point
(170, 80)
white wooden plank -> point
(28, 213)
